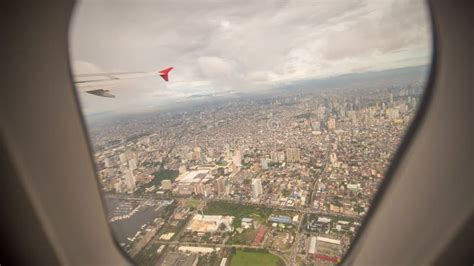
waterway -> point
(144, 213)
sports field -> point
(246, 258)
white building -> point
(189, 182)
(210, 223)
(223, 262)
(201, 250)
(312, 245)
(237, 160)
(257, 189)
(132, 164)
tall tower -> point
(331, 124)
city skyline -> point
(291, 174)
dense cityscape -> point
(287, 178)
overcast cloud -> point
(223, 46)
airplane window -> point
(245, 132)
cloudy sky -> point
(221, 47)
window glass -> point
(245, 132)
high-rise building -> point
(331, 124)
(132, 164)
(123, 158)
(257, 189)
(292, 155)
(130, 180)
(264, 163)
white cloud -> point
(246, 45)
(213, 67)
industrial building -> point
(328, 247)
(312, 245)
(321, 225)
(210, 223)
(189, 181)
(280, 219)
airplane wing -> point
(96, 84)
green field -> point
(245, 238)
(245, 258)
(237, 210)
(164, 174)
(192, 203)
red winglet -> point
(164, 73)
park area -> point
(245, 258)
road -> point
(294, 249)
(214, 245)
(301, 209)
